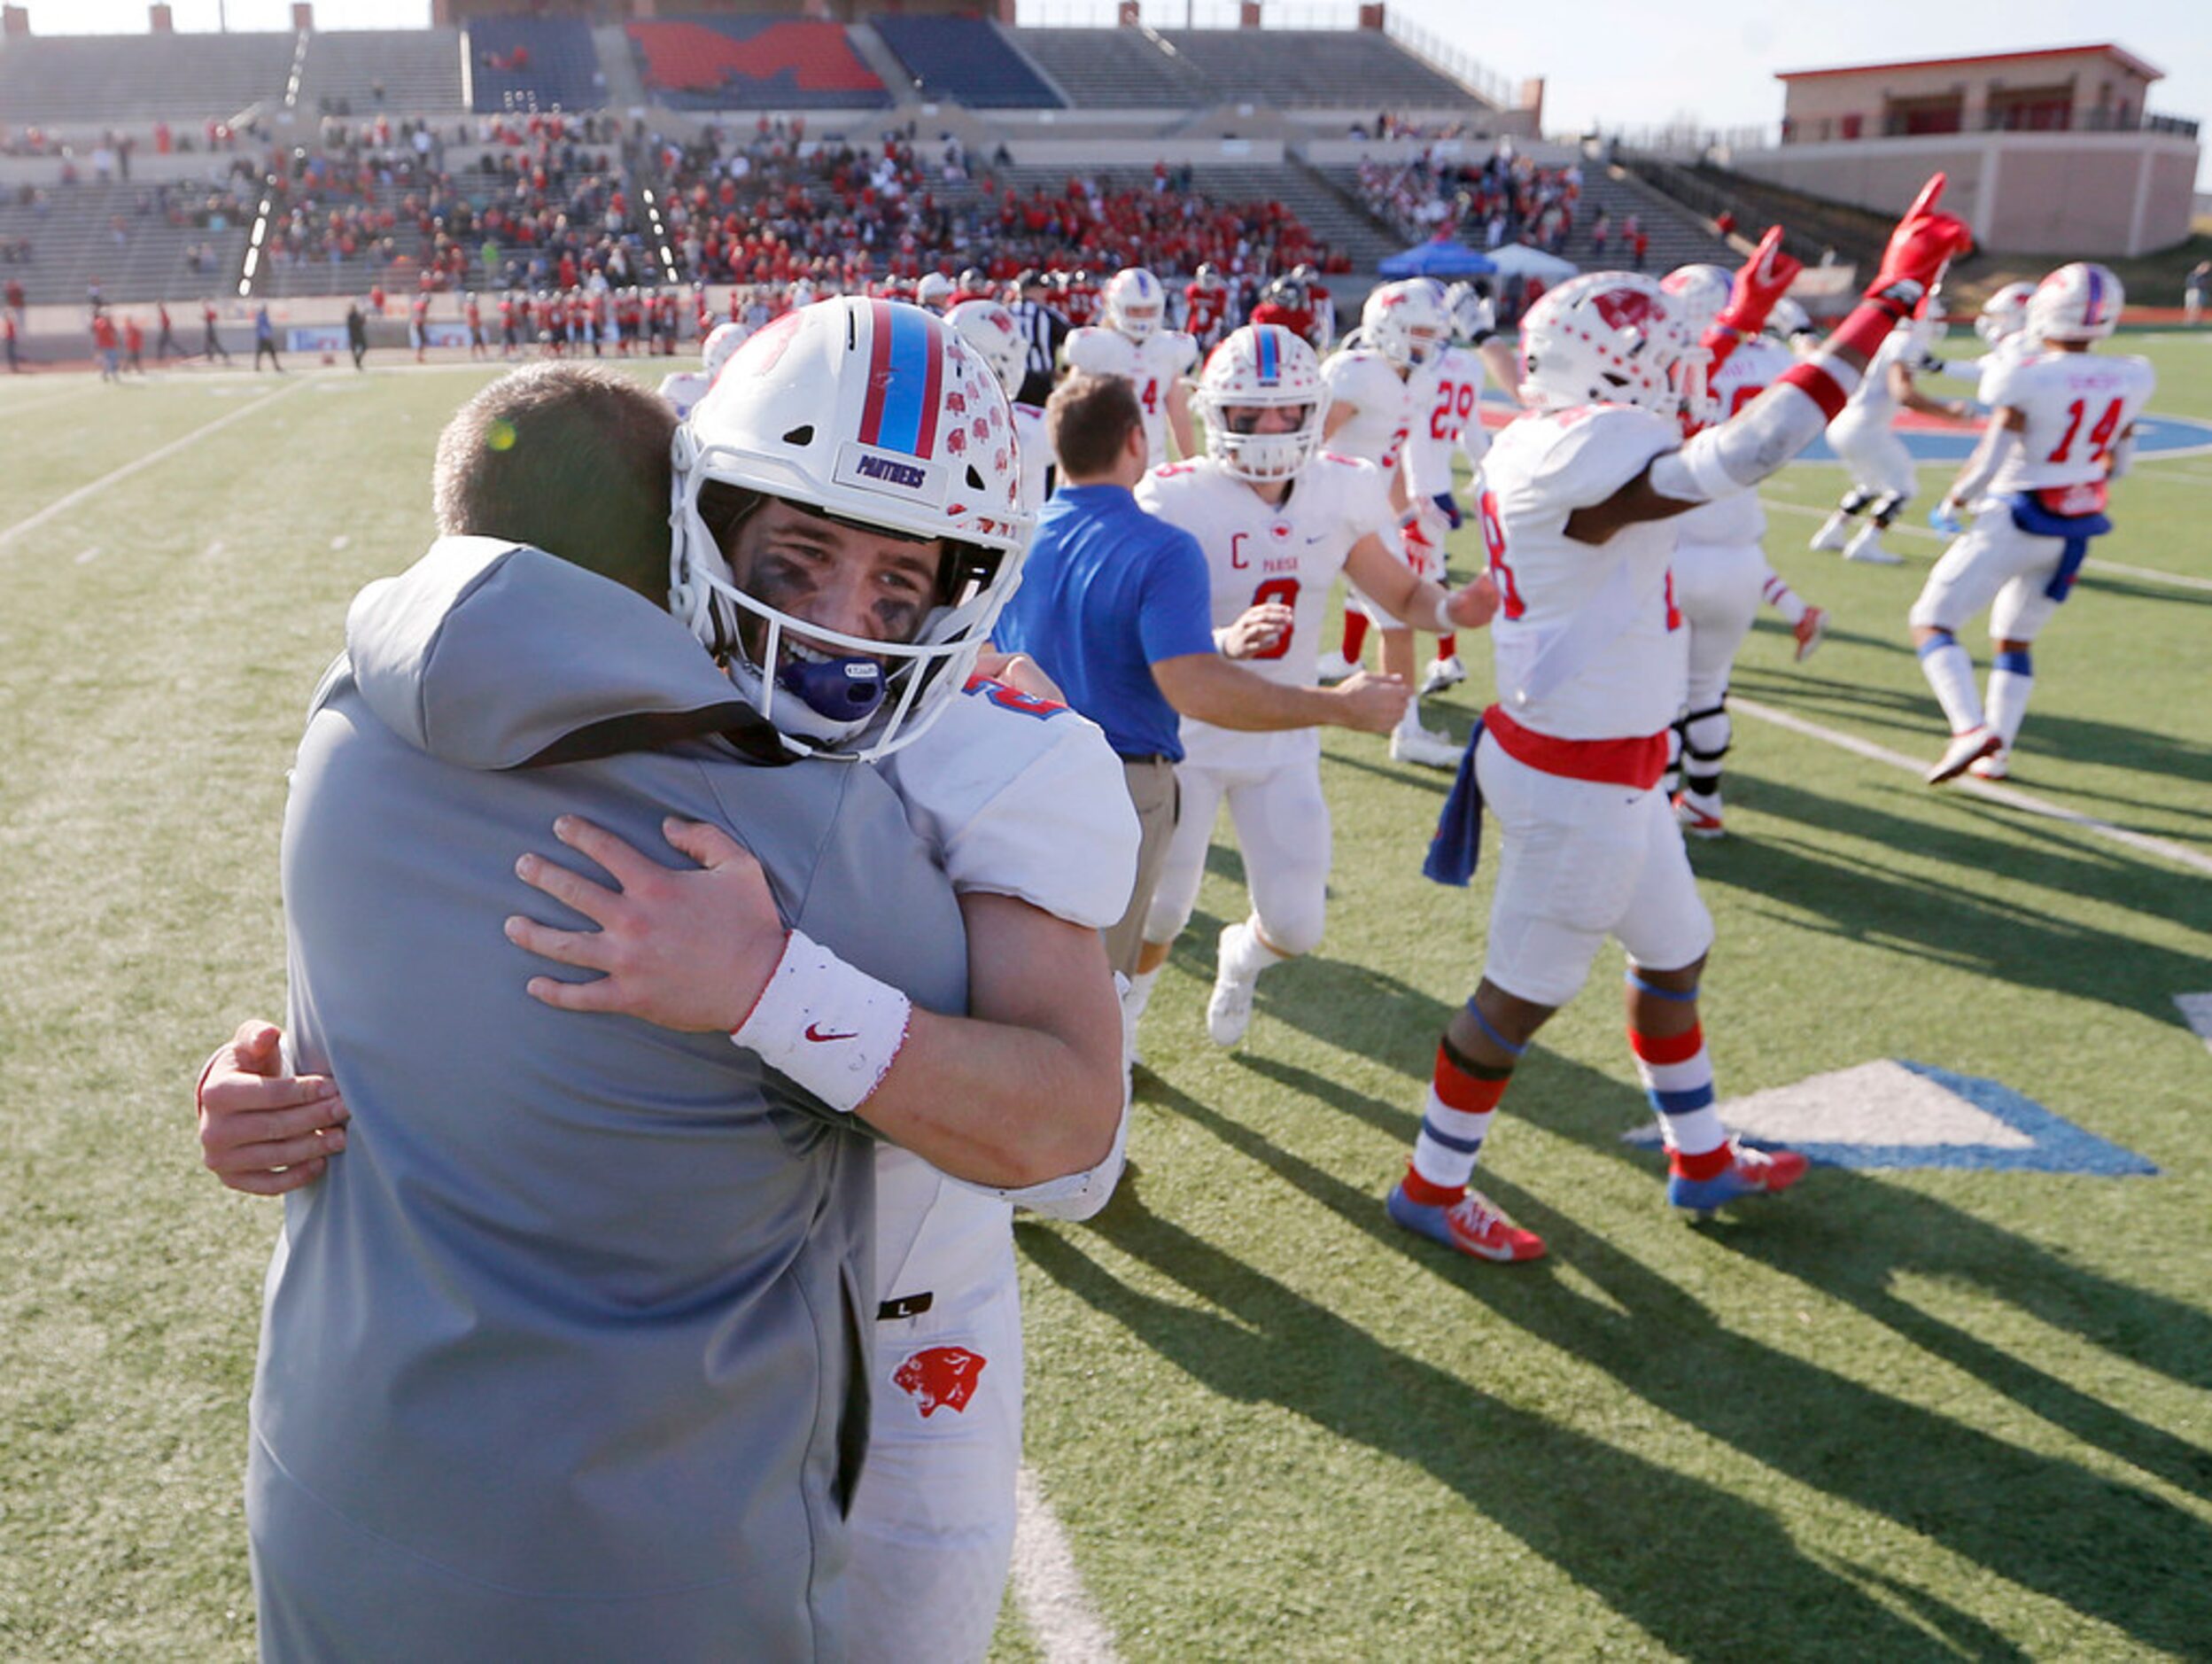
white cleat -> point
(1996, 765)
(1866, 546)
(1228, 1008)
(1336, 667)
(1830, 536)
(1424, 746)
(1809, 630)
(1443, 672)
(1962, 753)
(1700, 816)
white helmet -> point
(1406, 322)
(988, 327)
(933, 289)
(1261, 366)
(1787, 320)
(876, 416)
(1135, 303)
(2080, 302)
(2005, 313)
(1473, 315)
(1700, 293)
(1608, 337)
(721, 343)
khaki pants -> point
(1151, 787)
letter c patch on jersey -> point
(940, 1377)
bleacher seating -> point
(558, 67)
(1314, 68)
(74, 243)
(754, 63)
(1115, 69)
(965, 61)
(106, 79)
(368, 70)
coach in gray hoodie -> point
(561, 1361)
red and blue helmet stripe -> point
(2093, 306)
(905, 379)
(1270, 356)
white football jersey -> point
(1258, 552)
(1629, 678)
(1992, 367)
(1151, 366)
(1451, 420)
(1017, 797)
(1386, 409)
(1872, 401)
(2077, 406)
(1036, 454)
(1736, 521)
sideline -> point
(2142, 842)
(2181, 580)
(62, 505)
(1049, 1587)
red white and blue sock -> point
(1678, 1078)
(1463, 1096)
(1950, 671)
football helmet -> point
(1135, 303)
(876, 416)
(1471, 312)
(933, 289)
(721, 343)
(1406, 323)
(1608, 337)
(1261, 366)
(1699, 294)
(1208, 276)
(2005, 313)
(988, 327)
(2080, 302)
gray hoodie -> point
(561, 1360)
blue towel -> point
(1457, 844)
(2037, 521)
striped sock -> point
(1950, 671)
(1678, 1078)
(1463, 1096)
(1782, 598)
(2012, 678)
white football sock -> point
(1950, 671)
(2008, 699)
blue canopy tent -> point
(1439, 257)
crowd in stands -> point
(1504, 198)
(217, 136)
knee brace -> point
(1855, 501)
(1706, 735)
(1887, 508)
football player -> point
(1720, 570)
(1026, 809)
(2002, 323)
(2061, 425)
(1382, 388)
(1278, 520)
(1881, 472)
(933, 292)
(1133, 344)
(1579, 495)
(1205, 306)
(684, 388)
(990, 328)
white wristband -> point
(834, 1029)
(1445, 625)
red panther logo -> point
(940, 1377)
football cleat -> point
(1228, 1008)
(1698, 822)
(1470, 1224)
(1996, 765)
(1809, 630)
(1748, 1173)
(1443, 672)
(1424, 746)
(1866, 546)
(1962, 753)
(1830, 536)
(1336, 667)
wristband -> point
(1445, 623)
(832, 1029)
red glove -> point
(1924, 242)
(1765, 277)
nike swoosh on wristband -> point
(814, 1032)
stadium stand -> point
(533, 64)
(1815, 223)
(965, 61)
(1115, 69)
(112, 78)
(754, 63)
(361, 70)
(1313, 69)
(137, 241)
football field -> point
(1952, 1397)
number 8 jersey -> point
(1257, 552)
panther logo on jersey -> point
(940, 1377)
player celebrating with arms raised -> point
(1580, 493)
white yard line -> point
(2143, 843)
(1048, 1587)
(62, 505)
(2179, 579)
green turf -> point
(1894, 1416)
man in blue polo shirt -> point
(1116, 605)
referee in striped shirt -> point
(1044, 328)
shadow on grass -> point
(2099, 1545)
